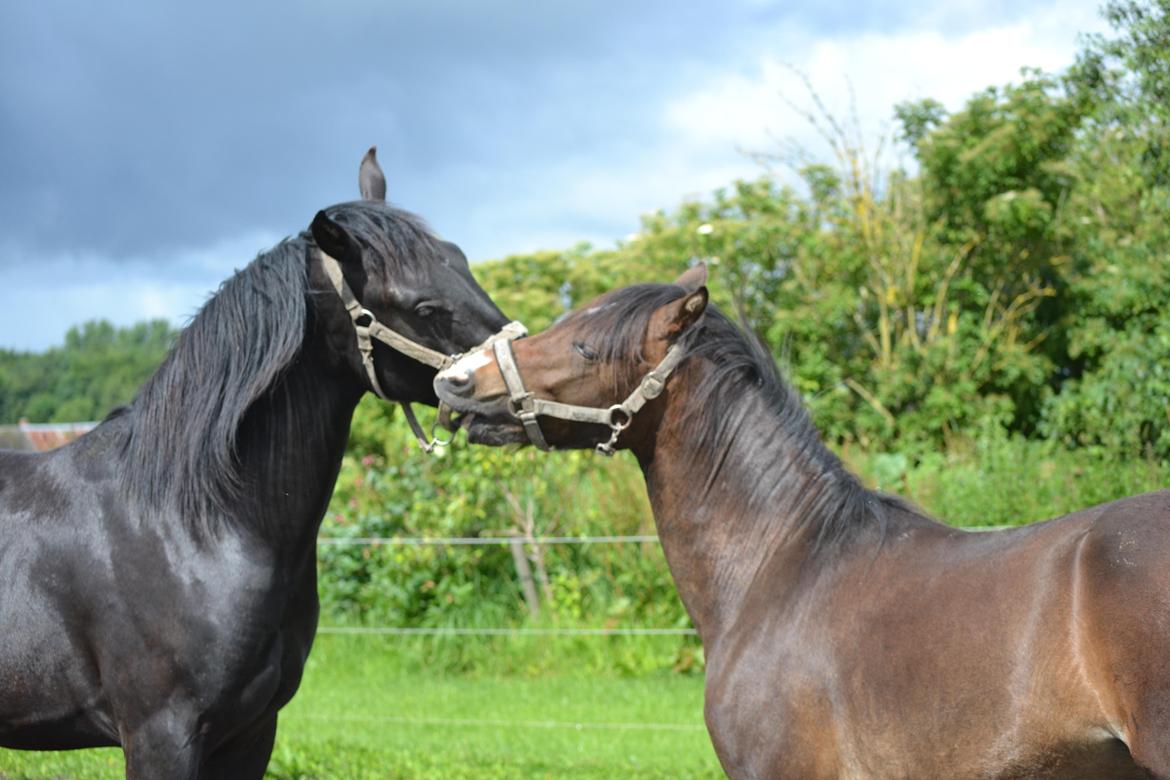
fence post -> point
(537, 556)
(525, 573)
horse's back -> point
(1130, 530)
(51, 507)
(41, 486)
(1123, 613)
(22, 484)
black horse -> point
(158, 575)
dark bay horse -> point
(847, 635)
(158, 575)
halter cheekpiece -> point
(527, 408)
(367, 328)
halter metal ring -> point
(620, 424)
(438, 441)
(366, 314)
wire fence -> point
(504, 723)
(470, 541)
(498, 723)
(452, 631)
(513, 541)
(464, 541)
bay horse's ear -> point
(675, 317)
(693, 278)
(371, 180)
(333, 239)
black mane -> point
(742, 411)
(183, 424)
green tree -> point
(99, 367)
(1113, 392)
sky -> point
(149, 148)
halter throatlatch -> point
(367, 328)
(527, 408)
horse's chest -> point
(769, 714)
(256, 663)
(262, 682)
(235, 641)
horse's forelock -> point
(617, 324)
(396, 244)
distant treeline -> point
(99, 367)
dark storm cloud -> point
(135, 126)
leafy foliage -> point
(985, 335)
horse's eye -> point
(425, 310)
(584, 351)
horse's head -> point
(399, 277)
(583, 381)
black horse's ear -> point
(693, 278)
(371, 180)
(332, 238)
(453, 255)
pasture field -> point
(362, 714)
(587, 707)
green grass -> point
(361, 715)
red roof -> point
(48, 436)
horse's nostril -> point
(459, 383)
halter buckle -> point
(521, 405)
(607, 448)
(619, 419)
(652, 386)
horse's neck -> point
(725, 516)
(291, 444)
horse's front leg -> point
(244, 757)
(167, 745)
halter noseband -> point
(367, 328)
(618, 417)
